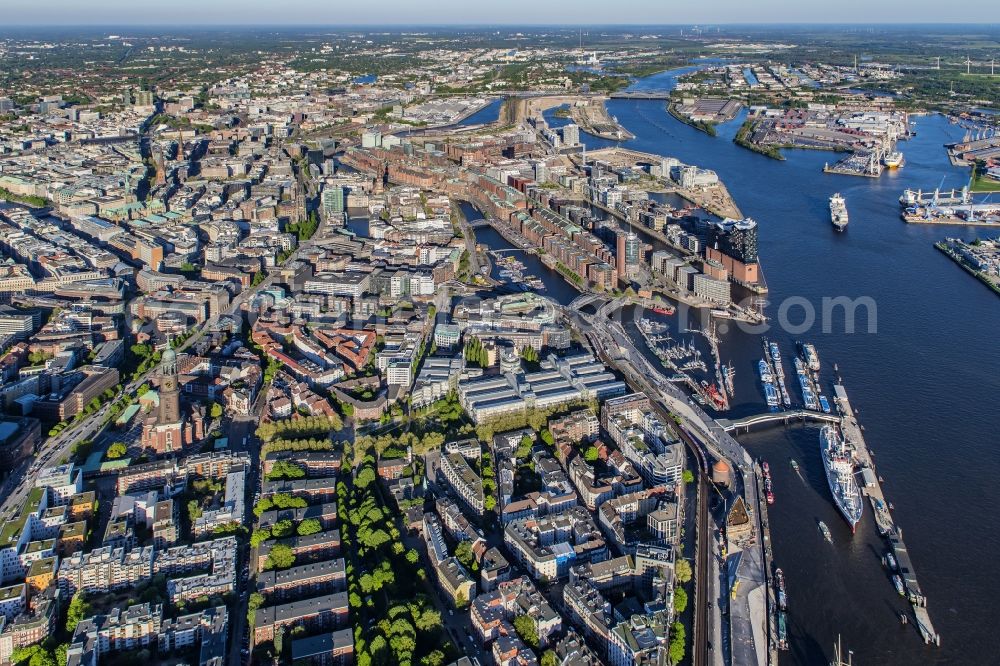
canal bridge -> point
(505, 250)
(583, 300)
(748, 422)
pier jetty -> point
(873, 489)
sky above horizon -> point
(464, 12)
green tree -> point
(42, 658)
(280, 557)
(25, 655)
(434, 658)
(680, 600)
(364, 478)
(279, 640)
(547, 437)
(284, 469)
(466, 557)
(194, 510)
(117, 450)
(524, 449)
(427, 620)
(688, 476)
(549, 658)
(309, 526)
(677, 640)
(282, 529)
(256, 601)
(216, 410)
(141, 350)
(524, 625)
(682, 570)
(259, 536)
(590, 454)
(78, 609)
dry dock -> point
(873, 488)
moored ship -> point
(765, 372)
(811, 357)
(771, 395)
(894, 159)
(779, 578)
(728, 372)
(839, 465)
(838, 212)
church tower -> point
(167, 430)
(170, 400)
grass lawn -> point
(981, 184)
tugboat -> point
(795, 465)
(663, 310)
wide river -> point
(926, 381)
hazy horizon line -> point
(383, 26)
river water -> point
(926, 381)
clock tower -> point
(170, 401)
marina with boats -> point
(683, 357)
(514, 272)
(771, 371)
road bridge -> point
(641, 94)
